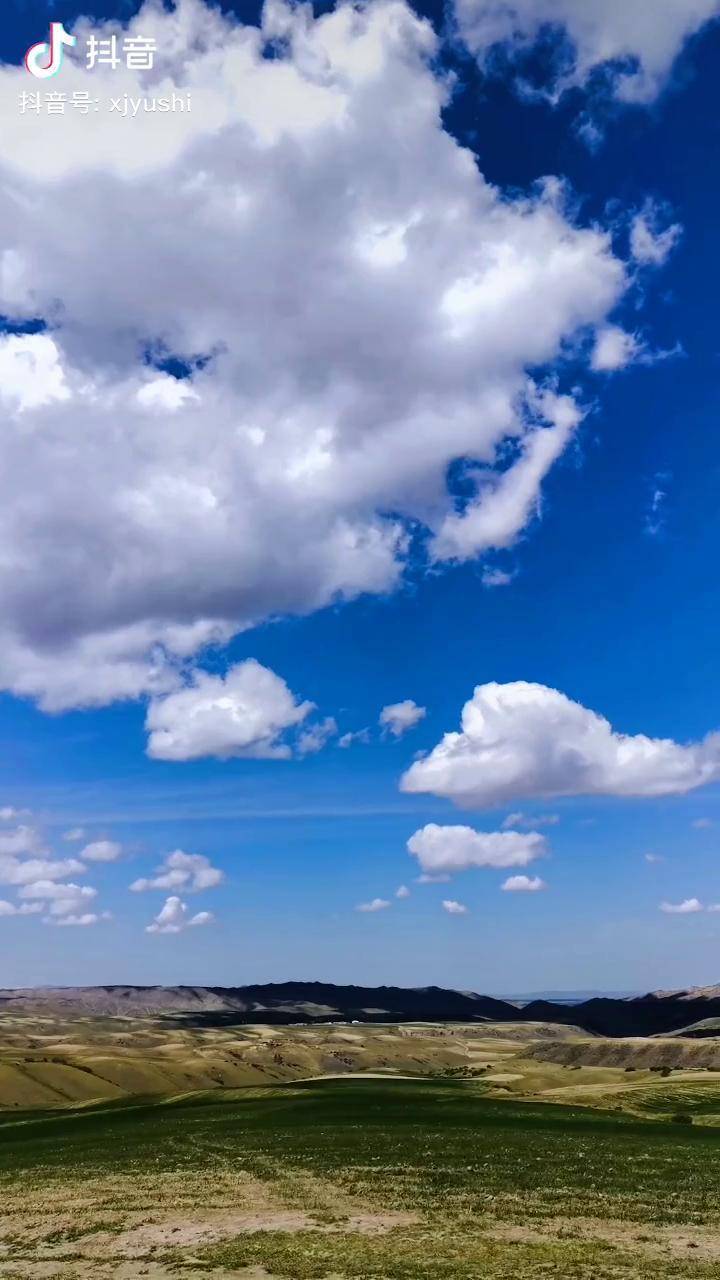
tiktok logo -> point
(45, 60)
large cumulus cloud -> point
(526, 740)
(359, 309)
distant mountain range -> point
(657, 1013)
(564, 997)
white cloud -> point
(523, 884)
(398, 717)
(653, 858)
(315, 737)
(164, 394)
(526, 740)
(426, 879)
(634, 43)
(371, 339)
(31, 374)
(530, 820)
(357, 735)
(402, 891)
(655, 513)
(650, 242)
(74, 834)
(25, 908)
(174, 917)
(496, 577)
(702, 824)
(377, 904)
(613, 349)
(64, 899)
(243, 714)
(81, 920)
(450, 849)
(101, 851)
(15, 871)
(454, 908)
(23, 840)
(192, 872)
(688, 907)
(10, 814)
(508, 500)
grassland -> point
(137, 1148)
(356, 1178)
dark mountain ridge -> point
(656, 1013)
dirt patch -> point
(701, 1244)
(112, 1270)
(185, 1233)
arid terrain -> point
(50, 1062)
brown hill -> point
(634, 1053)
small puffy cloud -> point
(613, 349)
(527, 740)
(454, 908)
(358, 735)
(650, 244)
(377, 904)
(25, 908)
(653, 858)
(77, 920)
(398, 717)
(627, 47)
(686, 908)
(74, 835)
(66, 904)
(200, 918)
(64, 899)
(16, 871)
(529, 820)
(243, 713)
(449, 849)
(174, 917)
(101, 851)
(20, 842)
(10, 814)
(523, 884)
(191, 872)
(31, 374)
(165, 394)
(655, 514)
(402, 891)
(315, 737)
(496, 577)
(426, 879)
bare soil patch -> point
(681, 1242)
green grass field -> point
(356, 1178)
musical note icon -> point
(44, 60)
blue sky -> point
(612, 598)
